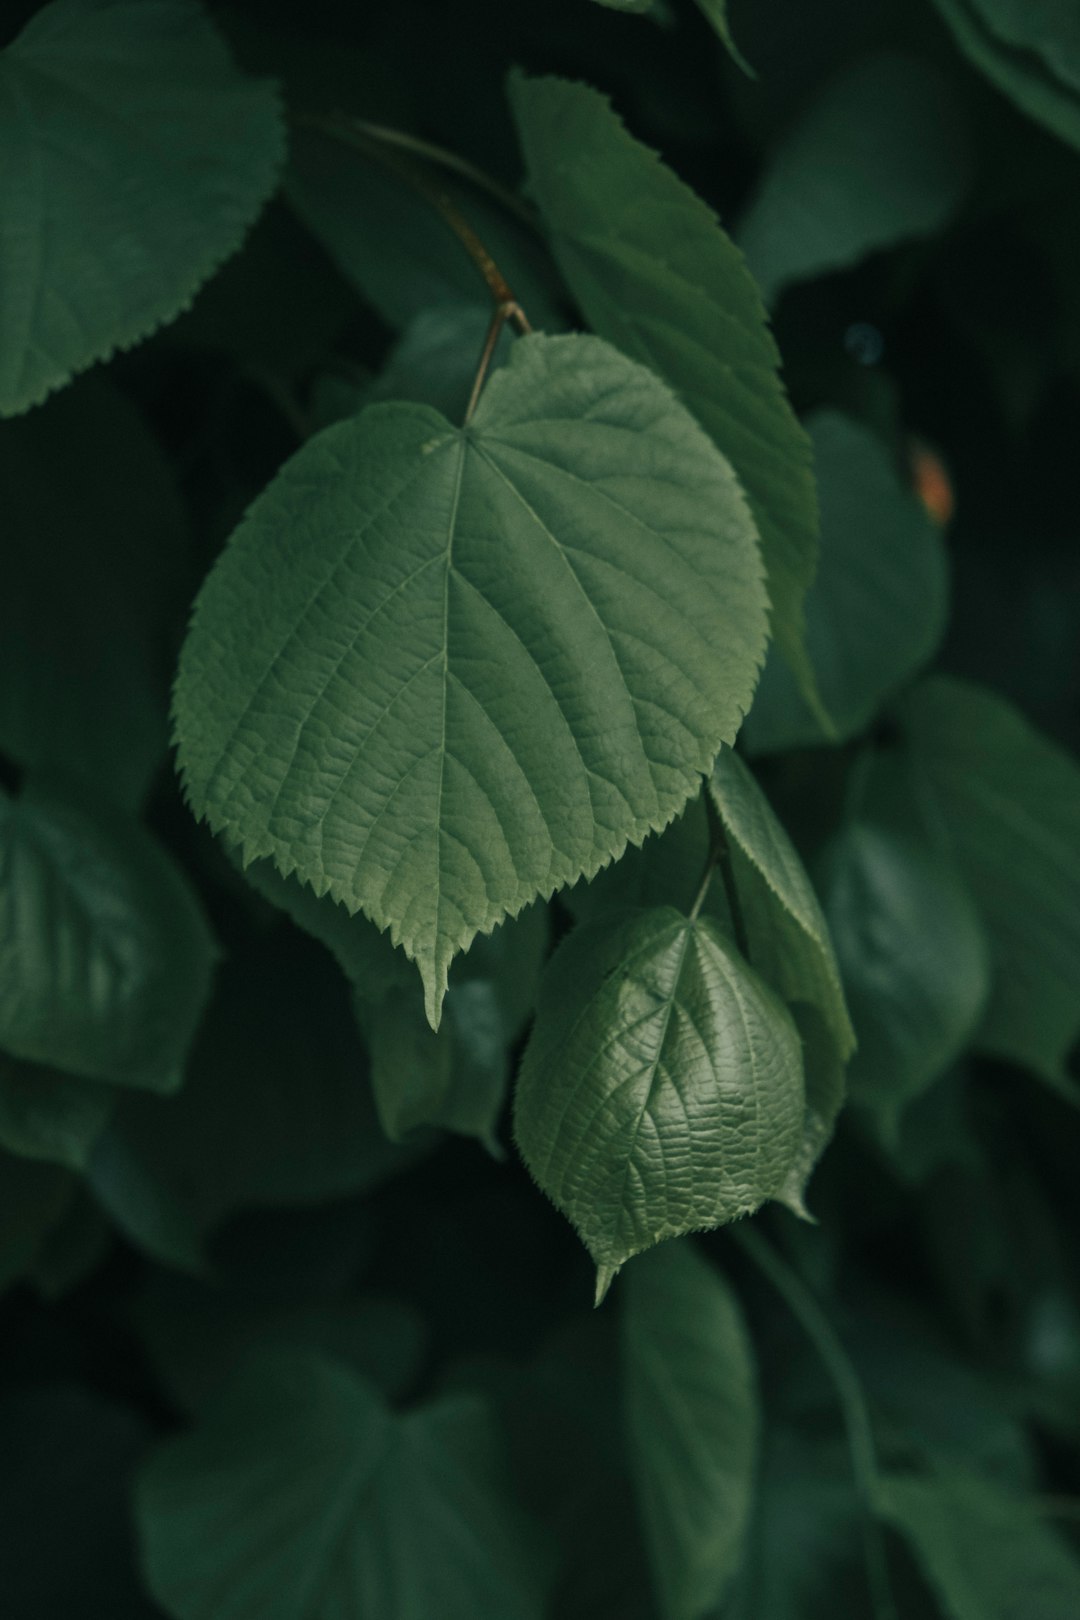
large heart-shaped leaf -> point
(654, 272)
(438, 672)
(662, 1087)
(132, 160)
(691, 1416)
(335, 1507)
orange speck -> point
(931, 482)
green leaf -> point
(198, 1335)
(1008, 802)
(691, 1414)
(654, 273)
(825, 1083)
(1030, 51)
(878, 607)
(456, 1078)
(985, 1551)
(914, 959)
(879, 157)
(439, 673)
(336, 1507)
(786, 930)
(390, 242)
(92, 582)
(105, 955)
(134, 159)
(48, 1115)
(662, 1087)
(276, 1109)
(73, 1250)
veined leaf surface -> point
(662, 1087)
(438, 672)
(654, 272)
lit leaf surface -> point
(662, 1087)
(437, 673)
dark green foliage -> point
(587, 492)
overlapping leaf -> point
(691, 1417)
(879, 157)
(336, 1506)
(914, 958)
(662, 1087)
(1008, 800)
(105, 956)
(654, 272)
(439, 672)
(877, 609)
(133, 159)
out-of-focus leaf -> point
(422, 1523)
(45, 1114)
(985, 1551)
(876, 611)
(914, 958)
(33, 1201)
(105, 954)
(1030, 49)
(134, 158)
(1007, 801)
(879, 157)
(691, 1414)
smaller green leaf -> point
(105, 955)
(787, 932)
(691, 1416)
(1007, 800)
(985, 1551)
(48, 1115)
(134, 159)
(914, 958)
(336, 1506)
(877, 610)
(879, 157)
(661, 1090)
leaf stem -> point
(372, 142)
(864, 1464)
(507, 311)
(450, 161)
